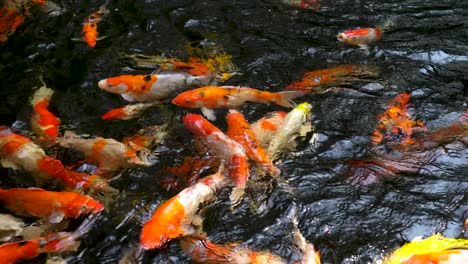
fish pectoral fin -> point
(78, 39)
(101, 38)
(209, 113)
(56, 217)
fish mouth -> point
(340, 37)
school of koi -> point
(243, 152)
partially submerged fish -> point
(231, 97)
(109, 154)
(43, 122)
(436, 249)
(152, 87)
(266, 127)
(297, 123)
(175, 217)
(53, 206)
(128, 112)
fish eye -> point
(187, 101)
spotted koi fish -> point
(152, 87)
(43, 122)
(174, 218)
(109, 154)
(239, 130)
(53, 206)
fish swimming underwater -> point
(89, 31)
(128, 112)
(109, 154)
(210, 97)
(361, 37)
(53, 206)
(239, 130)
(43, 122)
(152, 87)
(175, 217)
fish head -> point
(117, 85)
(198, 125)
(189, 99)
(83, 205)
(341, 37)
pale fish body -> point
(296, 123)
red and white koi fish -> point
(175, 217)
(432, 250)
(152, 87)
(43, 122)
(201, 250)
(210, 97)
(223, 147)
(52, 243)
(266, 127)
(89, 31)
(19, 152)
(239, 130)
(53, 206)
(109, 154)
(128, 112)
(361, 37)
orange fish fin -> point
(286, 98)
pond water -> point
(349, 215)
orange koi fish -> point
(361, 37)
(201, 250)
(223, 147)
(51, 205)
(146, 138)
(19, 152)
(52, 243)
(194, 66)
(231, 97)
(152, 87)
(128, 112)
(174, 218)
(239, 130)
(10, 20)
(109, 154)
(317, 81)
(266, 127)
(89, 31)
(396, 123)
(43, 122)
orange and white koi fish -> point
(43, 122)
(231, 97)
(223, 147)
(109, 154)
(239, 130)
(396, 123)
(19, 152)
(361, 37)
(53, 206)
(89, 31)
(201, 250)
(266, 127)
(128, 112)
(317, 81)
(175, 217)
(194, 66)
(432, 250)
(152, 87)
(52, 243)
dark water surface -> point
(349, 219)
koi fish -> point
(239, 130)
(175, 217)
(265, 128)
(307, 4)
(128, 112)
(10, 20)
(109, 154)
(19, 152)
(223, 147)
(231, 97)
(396, 123)
(435, 250)
(53, 206)
(296, 123)
(152, 87)
(52, 243)
(146, 138)
(316, 81)
(194, 66)
(89, 31)
(201, 250)
(361, 37)
(43, 122)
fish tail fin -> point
(286, 98)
